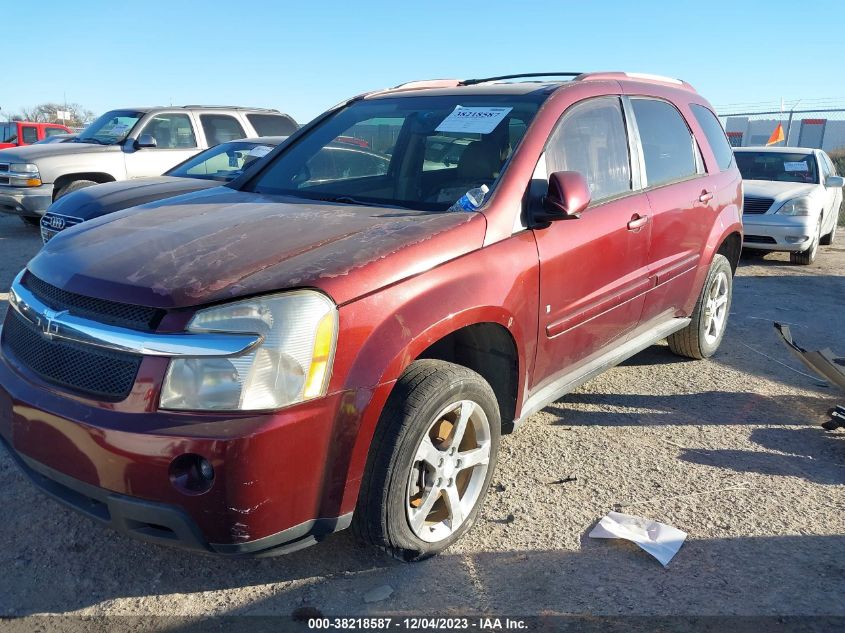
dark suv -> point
(249, 368)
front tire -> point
(805, 258)
(431, 461)
(76, 185)
(709, 319)
(30, 220)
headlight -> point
(292, 363)
(796, 206)
(24, 175)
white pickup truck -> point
(124, 144)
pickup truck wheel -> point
(431, 461)
(75, 185)
(805, 258)
(701, 338)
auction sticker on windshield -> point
(796, 166)
(476, 120)
(260, 150)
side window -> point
(591, 139)
(831, 165)
(272, 124)
(716, 138)
(825, 168)
(53, 131)
(29, 134)
(666, 142)
(8, 132)
(171, 130)
(220, 128)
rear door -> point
(176, 140)
(682, 204)
(593, 270)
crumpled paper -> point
(658, 539)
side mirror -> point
(567, 196)
(834, 182)
(145, 140)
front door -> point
(176, 140)
(594, 269)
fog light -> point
(797, 239)
(191, 474)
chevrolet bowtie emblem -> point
(46, 322)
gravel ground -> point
(729, 450)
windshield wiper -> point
(91, 139)
(362, 203)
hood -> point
(30, 153)
(777, 189)
(221, 244)
(99, 200)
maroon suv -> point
(326, 341)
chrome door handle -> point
(705, 196)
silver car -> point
(791, 200)
(121, 145)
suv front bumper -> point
(271, 493)
(26, 201)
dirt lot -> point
(729, 450)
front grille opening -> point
(756, 205)
(759, 239)
(89, 371)
(122, 314)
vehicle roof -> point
(777, 150)
(148, 109)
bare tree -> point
(48, 113)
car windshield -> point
(222, 162)
(111, 128)
(781, 166)
(416, 152)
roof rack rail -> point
(226, 107)
(428, 83)
(472, 82)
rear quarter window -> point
(715, 134)
(272, 124)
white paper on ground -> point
(658, 539)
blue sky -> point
(304, 57)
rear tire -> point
(709, 320)
(76, 185)
(805, 258)
(422, 489)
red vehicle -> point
(17, 133)
(249, 368)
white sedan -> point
(791, 200)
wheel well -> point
(97, 177)
(489, 350)
(731, 247)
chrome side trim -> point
(574, 379)
(62, 325)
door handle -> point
(706, 196)
(637, 222)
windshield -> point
(781, 166)
(417, 152)
(111, 128)
(222, 162)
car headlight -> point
(796, 206)
(291, 364)
(24, 175)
